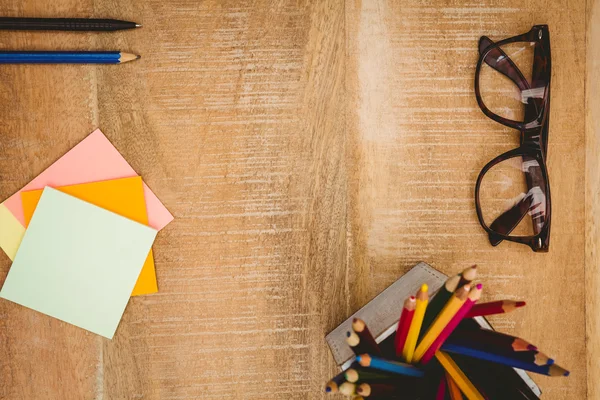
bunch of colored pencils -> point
(437, 330)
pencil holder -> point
(446, 350)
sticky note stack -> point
(80, 237)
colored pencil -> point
(468, 275)
(441, 392)
(366, 338)
(544, 368)
(355, 344)
(354, 375)
(493, 338)
(495, 381)
(472, 298)
(415, 326)
(453, 388)
(459, 377)
(494, 307)
(64, 24)
(369, 361)
(404, 323)
(334, 384)
(65, 57)
(532, 356)
(347, 388)
(448, 312)
(438, 302)
(378, 389)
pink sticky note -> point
(91, 160)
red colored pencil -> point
(474, 295)
(494, 307)
(441, 392)
(408, 311)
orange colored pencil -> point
(453, 389)
(472, 298)
(448, 312)
(408, 311)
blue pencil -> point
(390, 366)
(65, 57)
(550, 370)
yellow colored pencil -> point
(459, 377)
(450, 309)
(453, 388)
(415, 325)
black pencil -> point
(334, 384)
(366, 338)
(356, 374)
(495, 381)
(492, 338)
(65, 24)
(532, 356)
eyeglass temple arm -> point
(509, 220)
(501, 62)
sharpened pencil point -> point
(520, 304)
(126, 57)
(531, 347)
(138, 25)
(567, 373)
(550, 361)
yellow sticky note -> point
(120, 196)
(11, 232)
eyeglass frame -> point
(534, 134)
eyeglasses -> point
(515, 184)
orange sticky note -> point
(121, 196)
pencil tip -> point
(138, 57)
(521, 303)
(550, 361)
(327, 389)
(531, 347)
(567, 373)
(138, 25)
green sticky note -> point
(78, 263)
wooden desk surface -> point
(311, 152)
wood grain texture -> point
(592, 197)
(311, 152)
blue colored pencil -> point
(65, 57)
(369, 361)
(550, 370)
